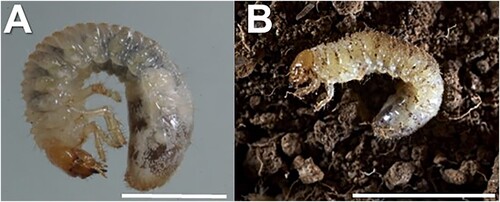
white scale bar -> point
(419, 195)
(176, 196)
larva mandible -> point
(159, 102)
(416, 100)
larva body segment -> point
(163, 128)
(159, 102)
(417, 99)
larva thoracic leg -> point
(416, 101)
(159, 102)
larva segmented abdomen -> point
(159, 102)
(416, 101)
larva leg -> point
(115, 137)
(308, 89)
(92, 127)
(330, 91)
(99, 88)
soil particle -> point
(493, 9)
(291, 144)
(398, 174)
(308, 171)
(262, 158)
(493, 182)
(348, 7)
(440, 159)
(453, 176)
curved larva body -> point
(160, 107)
(417, 99)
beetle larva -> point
(159, 102)
(417, 99)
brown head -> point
(302, 68)
(74, 161)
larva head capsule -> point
(74, 161)
(302, 68)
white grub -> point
(159, 102)
(417, 99)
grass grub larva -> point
(159, 102)
(417, 99)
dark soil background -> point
(285, 151)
